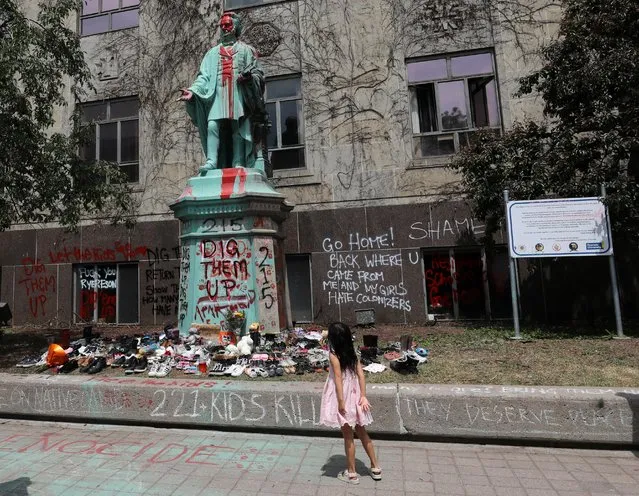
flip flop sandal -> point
(376, 474)
(349, 478)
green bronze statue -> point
(226, 102)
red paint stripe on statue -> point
(228, 183)
(227, 75)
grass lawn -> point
(485, 355)
(458, 355)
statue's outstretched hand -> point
(185, 96)
(243, 77)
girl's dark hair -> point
(340, 341)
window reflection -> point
(272, 115)
(95, 25)
(483, 99)
(427, 70)
(90, 7)
(110, 5)
(472, 64)
(282, 88)
(129, 141)
(124, 19)
(290, 123)
(452, 105)
(109, 142)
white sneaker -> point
(43, 359)
(164, 368)
(153, 369)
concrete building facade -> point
(369, 100)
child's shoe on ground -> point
(348, 477)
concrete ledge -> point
(481, 413)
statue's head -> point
(230, 25)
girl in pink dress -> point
(344, 402)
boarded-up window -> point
(456, 287)
(106, 293)
(298, 269)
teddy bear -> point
(245, 345)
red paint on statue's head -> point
(226, 23)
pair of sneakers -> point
(160, 368)
(353, 477)
(135, 365)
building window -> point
(106, 293)
(115, 137)
(101, 16)
(286, 139)
(450, 98)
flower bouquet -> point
(235, 321)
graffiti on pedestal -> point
(185, 269)
(265, 282)
(225, 270)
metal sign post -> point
(613, 280)
(513, 280)
(563, 227)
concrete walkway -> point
(51, 459)
(592, 416)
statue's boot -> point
(208, 165)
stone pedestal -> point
(231, 254)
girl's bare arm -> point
(337, 370)
(361, 379)
(363, 401)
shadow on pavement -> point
(336, 463)
(633, 402)
(16, 487)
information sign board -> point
(558, 228)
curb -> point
(498, 414)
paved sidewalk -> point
(45, 458)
